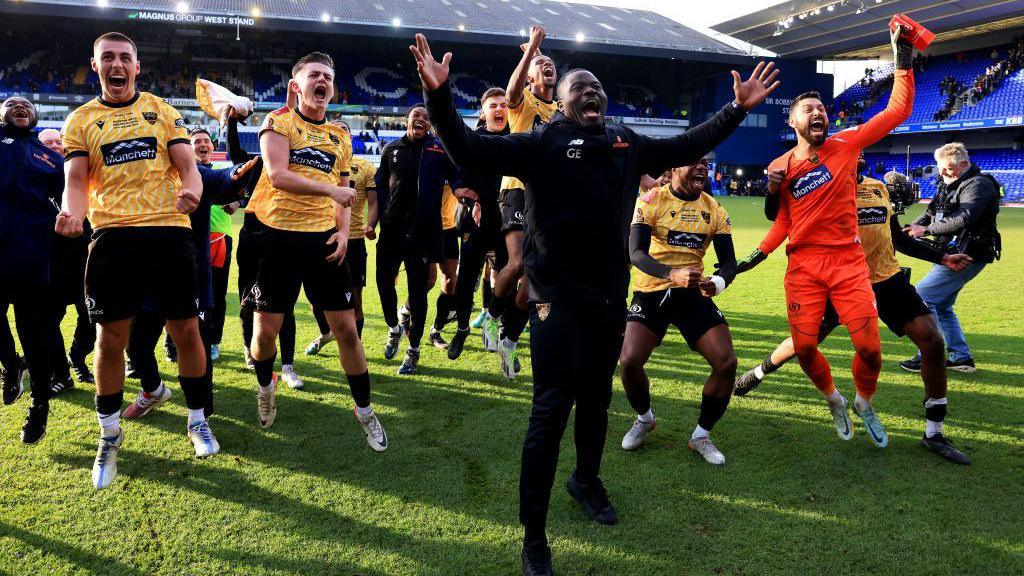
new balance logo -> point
(811, 181)
(314, 158)
(876, 215)
(125, 151)
(576, 142)
(692, 240)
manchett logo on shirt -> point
(124, 151)
(314, 158)
(811, 181)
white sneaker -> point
(841, 418)
(707, 449)
(104, 468)
(203, 439)
(290, 377)
(375, 435)
(266, 406)
(489, 334)
(507, 349)
(637, 434)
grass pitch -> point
(309, 497)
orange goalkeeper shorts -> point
(817, 274)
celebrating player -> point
(362, 226)
(899, 306)
(129, 164)
(817, 193)
(672, 229)
(299, 214)
(575, 262)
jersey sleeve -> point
(73, 137)
(346, 158)
(278, 121)
(724, 223)
(901, 103)
(366, 173)
(174, 126)
(778, 232)
(647, 209)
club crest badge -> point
(150, 117)
(543, 310)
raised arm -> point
(659, 154)
(901, 102)
(517, 82)
(508, 155)
(237, 154)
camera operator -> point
(961, 218)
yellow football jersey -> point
(448, 202)
(681, 231)
(132, 181)
(361, 178)
(873, 213)
(530, 113)
(316, 150)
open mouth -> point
(117, 81)
(697, 179)
(20, 113)
(591, 109)
(817, 126)
(499, 118)
(419, 126)
(320, 92)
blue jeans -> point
(939, 289)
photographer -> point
(961, 217)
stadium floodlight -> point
(739, 171)
(182, 7)
(101, 3)
(396, 21)
(325, 17)
(831, 8)
(580, 37)
(462, 27)
(255, 11)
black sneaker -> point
(965, 366)
(457, 343)
(941, 446)
(537, 560)
(392, 342)
(437, 340)
(912, 365)
(412, 359)
(745, 383)
(61, 384)
(13, 388)
(593, 499)
(81, 370)
(35, 424)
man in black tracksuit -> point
(410, 181)
(486, 237)
(581, 179)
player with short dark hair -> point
(299, 215)
(672, 230)
(899, 306)
(129, 165)
(817, 194)
(575, 254)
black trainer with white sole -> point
(966, 366)
(943, 447)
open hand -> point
(757, 87)
(915, 231)
(432, 73)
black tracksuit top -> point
(581, 189)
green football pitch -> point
(308, 496)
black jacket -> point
(410, 181)
(581, 188)
(966, 209)
(486, 184)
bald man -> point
(52, 140)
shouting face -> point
(495, 111)
(117, 65)
(542, 72)
(316, 86)
(202, 146)
(18, 112)
(810, 120)
(691, 179)
(582, 99)
(418, 123)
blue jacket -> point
(219, 189)
(31, 180)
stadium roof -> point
(565, 23)
(826, 29)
